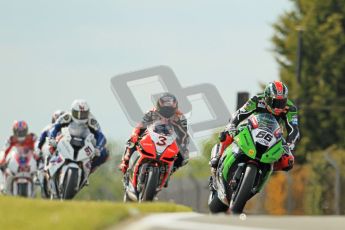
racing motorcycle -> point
(68, 169)
(20, 172)
(246, 164)
(151, 163)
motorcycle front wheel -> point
(23, 189)
(149, 191)
(70, 184)
(244, 191)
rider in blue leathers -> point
(81, 116)
(44, 134)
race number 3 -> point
(162, 141)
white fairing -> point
(161, 141)
(264, 137)
(21, 169)
(65, 151)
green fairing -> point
(273, 154)
(245, 142)
(229, 160)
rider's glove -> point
(52, 142)
(52, 145)
(97, 152)
(134, 138)
(285, 163)
(231, 131)
(52, 149)
(123, 166)
(290, 159)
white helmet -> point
(80, 111)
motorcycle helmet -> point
(80, 111)
(275, 96)
(167, 105)
(20, 130)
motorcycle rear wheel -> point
(215, 204)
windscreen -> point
(78, 130)
(162, 128)
(267, 122)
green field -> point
(20, 213)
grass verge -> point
(21, 213)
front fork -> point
(214, 160)
(261, 178)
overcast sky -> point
(52, 52)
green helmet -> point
(276, 94)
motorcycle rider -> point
(166, 109)
(21, 137)
(80, 116)
(274, 100)
(44, 134)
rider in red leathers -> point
(166, 109)
(20, 137)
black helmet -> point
(167, 105)
(56, 115)
(276, 97)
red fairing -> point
(148, 146)
(171, 151)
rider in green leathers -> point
(274, 100)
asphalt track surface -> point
(195, 221)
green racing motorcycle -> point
(246, 164)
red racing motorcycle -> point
(151, 163)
